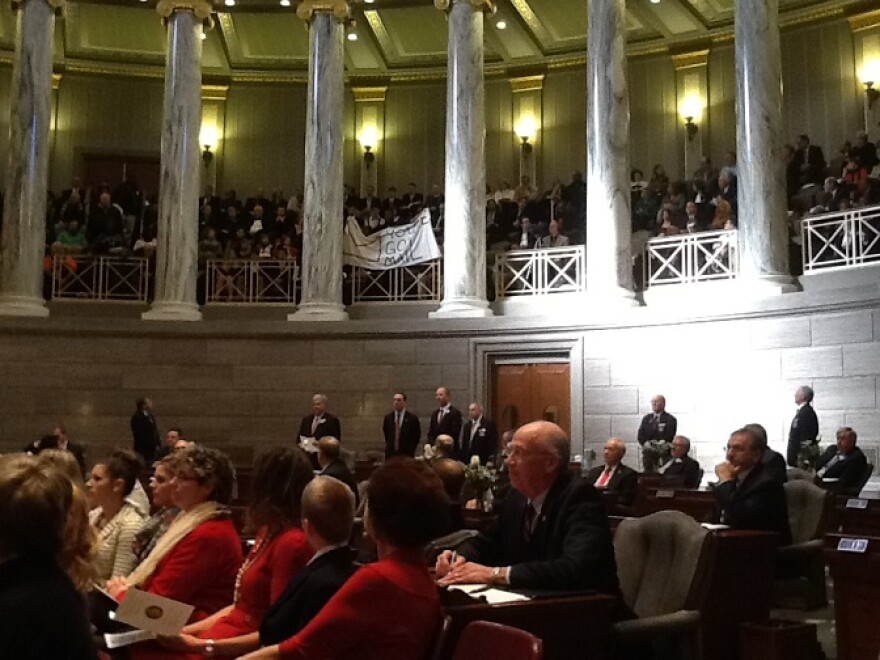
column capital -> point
(57, 5)
(487, 6)
(693, 59)
(340, 9)
(201, 8)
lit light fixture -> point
(655, 2)
(692, 110)
(285, 3)
(368, 138)
(229, 3)
(369, 2)
(870, 75)
(525, 131)
(352, 36)
(501, 24)
(208, 139)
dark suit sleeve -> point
(455, 428)
(691, 474)
(305, 428)
(334, 428)
(811, 425)
(671, 428)
(643, 430)
(826, 456)
(852, 472)
(629, 482)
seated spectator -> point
(659, 182)
(256, 225)
(866, 152)
(284, 249)
(637, 182)
(71, 240)
(645, 211)
(505, 193)
(279, 554)
(667, 223)
(680, 466)
(552, 531)
(810, 162)
(263, 248)
(747, 495)
(773, 461)
(327, 520)
(705, 172)
(525, 237)
(526, 189)
(844, 462)
(156, 525)
(615, 478)
(115, 520)
(554, 238)
(105, 218)
(723, 215)
(853, 171)
(444, 446)
(44, 616)
(451, 473)
(196, 560)
(58, 440)
(281, 223)
(406, 508)
(110, 241)
(239, 247)
(332, 465)
(209, 248)
(692, 219)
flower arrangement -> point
(655, 453)
(479, 477)
(808, 454)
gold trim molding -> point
(201, 8)
(215, 92)
(691, 60)
(340, 9)
(369, 94)
(864, 21)
(527, 84)
(56, 81)
(487, 6)
(57, 5)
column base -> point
(172, 311)
(463, 308)
(319, 312)
(614, 298)
(764, 286)
(23, 306)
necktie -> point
(396, 431)
(603, 480)
(440, 415)
(528, 521)
(315, 422)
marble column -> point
(763, 228)
(609, 258)
(22, 244)
(464, 243)
(323, 212)
(181, 164)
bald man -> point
(614, 477)
(552, 531)
(331, 463)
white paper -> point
(491, 595)
(714, 528)
(118, 640)
(153, 613)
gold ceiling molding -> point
(864, 21)
(201, 8)
(57, 5)
(809, 16)
(340, 9)
(215, 92)
(109, 69)
(487, 6)
(369, 94)
(527, 84)
(56, 81)
(691, 60)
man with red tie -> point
(615, 477)
(401, 429)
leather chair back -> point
(808, 508)
(869, 470)
(483, 640)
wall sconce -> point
(368, 138)
(525, 131)
(208, 140)
(691, 109)
(869, 75)
(691, 128)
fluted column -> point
(762, 216)
(22, 244)
(178, 238)
(609, 258)
(323, 201)
(464, 244)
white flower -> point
(475, 461)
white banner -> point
(394, 247)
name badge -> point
(661, 425)
(665, 494)
(859, 546)
(856, 503)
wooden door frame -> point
(531, 349)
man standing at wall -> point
(804, 426)
(401, 429)
(446, 420)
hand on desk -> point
(467, 572)
(446, 561)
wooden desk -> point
(856, 595)
(698, 504)
(570, 626)
(846, 520)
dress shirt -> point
(611, 470)
(325, 550)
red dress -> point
(389, 610)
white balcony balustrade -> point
(263, 281)
(836, 241)
(539, 272)
(408, 284)
(690, 258)
(100, 278)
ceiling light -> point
(352, 36)
(369, 2)
(229, 3)
(204, 35)
(285, 3)
(501, 25)
(655, 2)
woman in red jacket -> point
(196, 560)
(280, 552)
(389, 610)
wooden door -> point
(523, 393)
(113, 169)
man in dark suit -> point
(658, 425)
(447, 419)
(413, 201)
(681, 467)
(327, 519)
(58, 440)
(332, 465)
(479, 437)
(320, 422)
(552, 531)
(614, 477)
(810, 162)
(774, 462)
(804, 426)
(144, 431)
(844, 462)
(747, 496)
(402, 429)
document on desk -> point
(153, 613)
(490, 594)
(712, 527)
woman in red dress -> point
(389, 610)
(279, 553)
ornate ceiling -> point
(396, 39)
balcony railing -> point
(539, 272)
(100, 278)
(841, 240)
(690, 258)
(419, 283)
(229, 281)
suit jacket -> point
(410, 434)
(849, 470)
(775, 464)
(330, 426)
(339, 470)
(451, 424)
(305, 595)
(804, 427)
(663, 429)
(757, 503)
(484, 444)
(146, 435)
(687, 469)
(570, 547)
(623, 482)
(51, 442)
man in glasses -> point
(844, 462)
